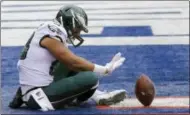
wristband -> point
(100, 69)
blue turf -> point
(166, 65)
(123, 31)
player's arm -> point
(64, 55)
(77, 63)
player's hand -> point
(116, 57)
(115, 63)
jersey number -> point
(26, 48)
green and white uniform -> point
(48, 84)
(39, 68)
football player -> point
(51, 76)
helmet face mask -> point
(74, 20)
(74, 37)
(75, 41)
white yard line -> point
(107, 41)
(166, 102)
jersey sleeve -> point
(52, 31)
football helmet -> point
(74, 19)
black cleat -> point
(17, 100)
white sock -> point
(96, 94)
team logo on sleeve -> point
(54, 29)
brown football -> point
(145, 90)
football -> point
(145, 90)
